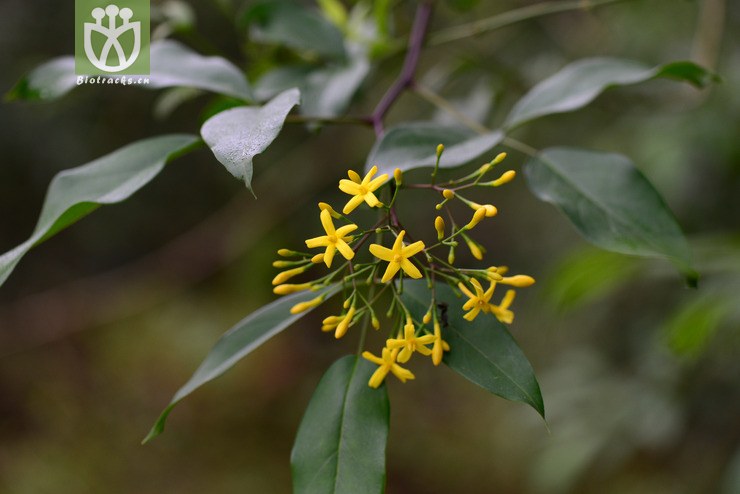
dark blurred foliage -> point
(99, 326)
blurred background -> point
(102, 324)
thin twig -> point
(481, 26)
(406, 77)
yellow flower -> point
(333, 240)
(440, 346)
(398, 257)
(410, 343)
(387, 363)
(480, 301)
(502, 311)
(361, 188)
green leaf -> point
(340, 446)
(292, 25)
(482, 351)
(240, 341)
(610, 203)
(237, 135)
(414, 145)
(691, 328)
(172, 65)
(113, 178)
(580, 82)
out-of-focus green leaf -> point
(237, 135)
(610, 203)
(172, 65)
(588, 275)
(690, 329)
(340, 446)
(239, 341)
(335, 11)
(113, 178)
(290, 24)
(414, 145)
(580, 82)
(327, 90)
(481, 351)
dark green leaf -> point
(481, 351)
(239, 341)
(340, 446)
(580, 82)
(113, 178)
(610, 203)
(172, 65)
(292, 25)
(414, 145)
(237, 135)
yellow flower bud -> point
(326, 207)
(346, 303)
(475, 249)
(439, 225)
(375, 323)
(287, 289)
(440, 150)
(498, 159)
(438, 207)
(286, 275)
(491, 210)
(485, 168)
(451, 256)
(398, 176)
(519, 281)
(304, 306)
(478, 216)
(504, 179)
(427, 317)
(448, 194)
(344, 325)
(286, 253)
(493, 274)
(318, 258)
(282, 264)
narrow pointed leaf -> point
(580, 82)
(340, 446)
(172, 65)
(237, 135)
(113, 178)
(240, 341)
(482, 351)
(610, 203)
(414, 145)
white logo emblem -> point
(112, 34)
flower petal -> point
(327, 223)
(377, 182)
(391, 271)
(344, 230)
(329, 254)
(354, 176)
(349, 187)
(382, 253)
(371, 200)
(410, 269)
(317, 242)
(352, 204)
(345, 249)
(413, 249)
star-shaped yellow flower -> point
(387, 363)
(335, 239)
(398, 257)
(502, 311)
(410, 343)
(361, 188)
(480, 301)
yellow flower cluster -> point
(364, 284)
